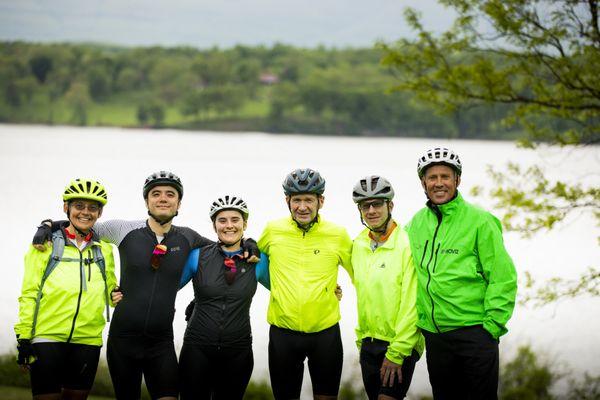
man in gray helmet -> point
(304, 253)
(466, 283)
(386, 292)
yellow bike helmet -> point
(86, 189)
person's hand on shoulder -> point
(251, 251)
(43, 235)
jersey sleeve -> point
(190, 268)
(408, 336)
(114, 230)
(35, 264)
(262, 271)
(199, 241)
(109, 262)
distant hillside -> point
(271, 89)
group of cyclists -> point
(443, 282)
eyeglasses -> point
(79, 206)
(157, 255)
(376, 204)
(231, 268)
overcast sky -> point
(205, 23)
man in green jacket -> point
(467, 283)
(386, 290)
(304, 253)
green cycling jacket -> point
(73, 299)
(465, 276)
(304, 267)
(386, 294)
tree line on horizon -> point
(274, 89)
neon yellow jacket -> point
(386, 294)
(69, 311)
(304, 268)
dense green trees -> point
(278, 88)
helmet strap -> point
(305, 228)
(378, 229)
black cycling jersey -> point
(221, 315)
(148, 304)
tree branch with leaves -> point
(541, 58)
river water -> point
(36, 162)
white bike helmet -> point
(228, 202)
(372, 187)
(439, 155)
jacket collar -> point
(389, 243)
(313, 227)
(94, 239)
(448, 208)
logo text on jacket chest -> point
(449, 251)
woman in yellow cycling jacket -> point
(63, 299)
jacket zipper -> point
(153, 289)
(81, 278)
(150, 303)
(89, 261)
(434, 252)
(424, 252)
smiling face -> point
(440, 183)
(304, 207)
(375, 212)
(163, 201)
(83, 214)
(229, 226)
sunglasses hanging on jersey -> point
(231, 268)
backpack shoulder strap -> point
(58, 248)
(99, 261)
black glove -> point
(43, 233)
(26, 355)
(189, 310)
(249, 245)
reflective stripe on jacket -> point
(386, 293)
(304, 269)
(465, 275)
(73, 298)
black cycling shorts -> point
(287, 351)
(372, 353)
(214, 372)
(129, 358)
(63, 366)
